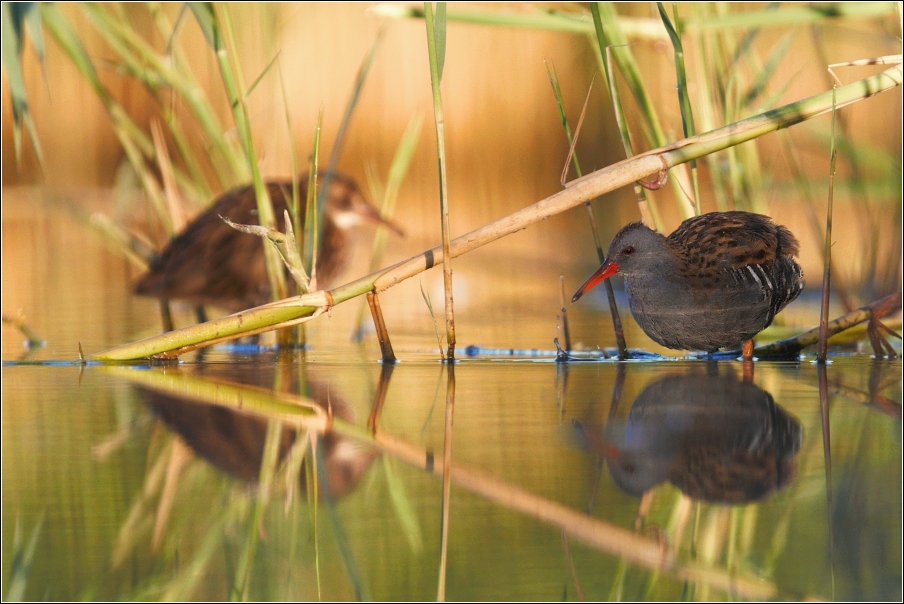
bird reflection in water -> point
(716, 438)
(234, 441)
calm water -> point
(144, 481)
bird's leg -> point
(747, 361)
(747, 350)
(166, 316)
(646, 502)
(200, 314)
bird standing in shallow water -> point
(209, 262)
(718, 280)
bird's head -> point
(633, 249)
(347, 207)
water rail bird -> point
(210, 263)
(715, 282)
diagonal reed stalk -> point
(650, 29)
(602, 181)
(793, 346)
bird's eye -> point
(628, 250)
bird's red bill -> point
(606, 270)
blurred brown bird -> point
(210, 263)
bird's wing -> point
(733, 240)
(735, 250)
(211, 262)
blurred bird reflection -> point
(233, 441)
(716, 438)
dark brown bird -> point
(718, 280)
(210, 263)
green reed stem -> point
(613, 307)
(649, 29)
(269, 460)
(610, 34)
(684, 100)
(386, 201)
(822, 347)
(791, 15)
(181, 587)
(313, 210)
(172, 71)
(136, 145)
(11, 51)
(436, 49)
(363, 71)
(648, 210)
(233, 81)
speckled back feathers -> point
(713, 242)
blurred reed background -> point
(505, 142)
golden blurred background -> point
(506, 148)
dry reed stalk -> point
(389, 357)
(277, 314)
(875, 310)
